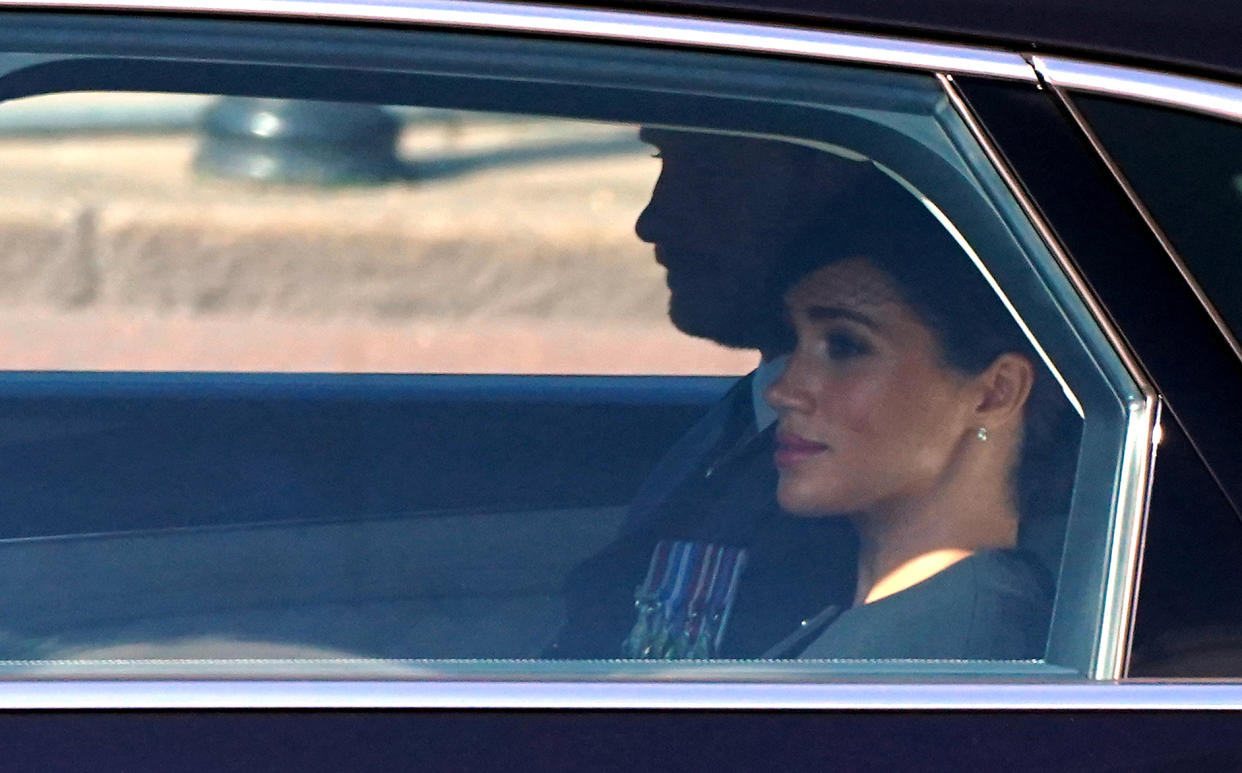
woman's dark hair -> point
(881, 221)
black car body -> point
(1083, 150)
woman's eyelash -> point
(843, 346)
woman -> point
(912, 401)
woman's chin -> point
(798, 500)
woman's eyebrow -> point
(822, 313)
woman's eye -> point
(843, 346)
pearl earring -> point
(982, 433)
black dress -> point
(993, 605)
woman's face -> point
(869, 415)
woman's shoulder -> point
(1009, 573)
(992, 605)
(1012, 603)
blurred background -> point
(163, 232)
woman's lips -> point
(792, 449)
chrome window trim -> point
(1136, 201)
(609, 25)
(1129, 535)
(1143, 414)
(1211, 97)
(873, 696)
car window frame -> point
(1219, 100)
(1073, 82)
(943, 61)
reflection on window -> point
(1186, 169)
(895, 483)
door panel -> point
(300, 516)
(626, 741)
(98, 453)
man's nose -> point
(652, 221)
(643, 225)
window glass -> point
(449, 384)
(1189, 614)
(1185, 168)
(166, 232)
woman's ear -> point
(1003, 389)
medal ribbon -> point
(683, 604)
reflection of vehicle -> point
(261, 541)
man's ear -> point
(1004, 387)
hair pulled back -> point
(882, 222)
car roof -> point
(1196, 37)
(1192, 36)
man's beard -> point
(725, 324)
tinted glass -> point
(475, 405)
(1189, 621)
(1187, 169)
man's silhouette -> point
(706, 565)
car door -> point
(359, 568)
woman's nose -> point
(786, 393)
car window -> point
(435, 369)
(1188, 615)
(198, 234)
(1189, 609)
(1189, 181)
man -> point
(706, 565)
